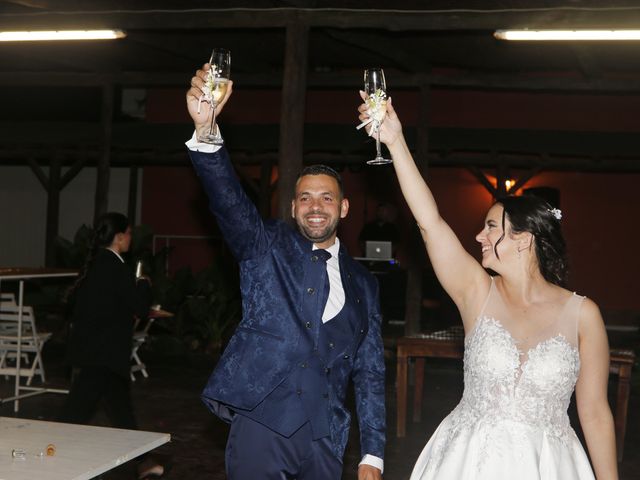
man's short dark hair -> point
(322, 170)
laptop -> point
(378, 250)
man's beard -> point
(318, 236)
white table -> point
(22, 274)
(82, 452)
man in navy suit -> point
(311, 323)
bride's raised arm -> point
(460, 274)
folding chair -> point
(30, 342)
(139, 338)
(7, 298)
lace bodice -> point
(512, 385)
(499, 387)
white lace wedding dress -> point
(512, 421)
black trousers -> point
(89, 386)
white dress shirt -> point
(335, 302)
(116, 254)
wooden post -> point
(53, 211)
(292, 112)
(132, 203)
(413, 298)
(104, 161)
(53, 184)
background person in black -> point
(104, 301)
(382, 229)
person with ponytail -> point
(529, 342)
(104, 302)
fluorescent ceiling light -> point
(37, 36)
(598, 35)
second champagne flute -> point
(215, 89)
(376, 89)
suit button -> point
(327, 370)
(346, 357)
(310, 290)
(331, 345)
(299, 392)
(357, 300)
(314, 258)
(308, 324)
(303, 364)
(361, 330)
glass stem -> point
(213, 129)
(378, 153)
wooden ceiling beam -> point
(134, 136)
(38, 4)
(331, 79)
(465, 159)
(389, 53)
(383, 19)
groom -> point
(311, 322)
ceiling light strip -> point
(567, 35)
(54, 35)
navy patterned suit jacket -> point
(271, 335)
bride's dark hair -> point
(528, 213)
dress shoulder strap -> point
(486, 300)
(570, 318)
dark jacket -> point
(273, 331)
(104, 307)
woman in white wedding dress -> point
(528, 343)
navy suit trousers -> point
(254, 452)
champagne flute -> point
(215, 89)
(376, 90)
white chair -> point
(139, 338)
(8, 298)
(30, 341)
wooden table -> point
(450, 344)
(446, 344)
(81, 452)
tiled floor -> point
(168, 401)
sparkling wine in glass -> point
(376, 90)
(215, 89)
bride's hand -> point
(391, 128)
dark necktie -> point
(323, 255)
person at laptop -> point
(381, 229)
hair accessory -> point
(556, 212)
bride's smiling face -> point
(493, 238)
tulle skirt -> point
(500, 451)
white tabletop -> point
(25, 273)
(81, 452)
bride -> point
(528, 343)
